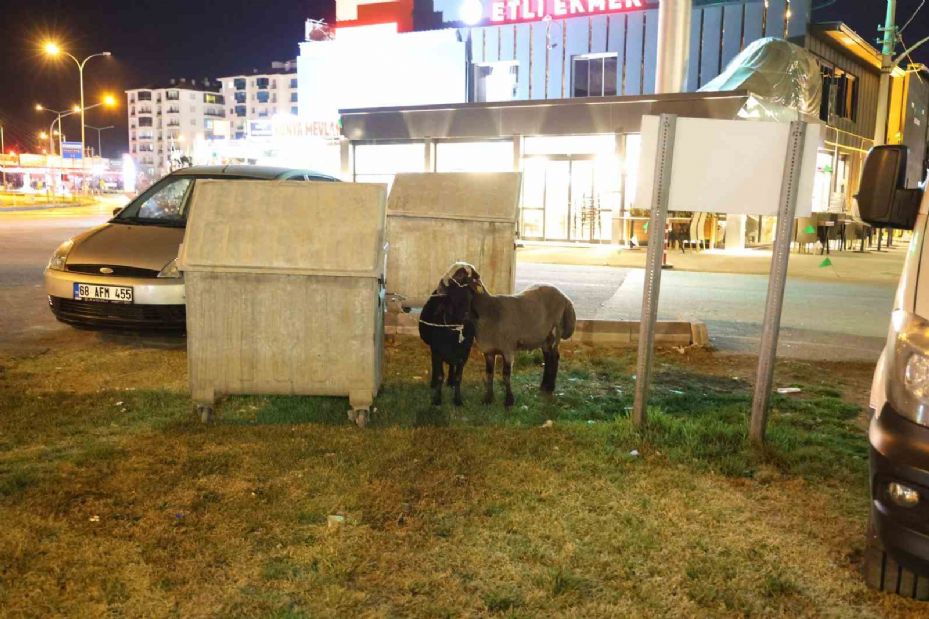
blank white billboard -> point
(727, 166)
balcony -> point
(214, 113)
(173, 123)
(172, 95)
(174, 109)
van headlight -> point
(170, 270)
(60, 257)
(908, 378)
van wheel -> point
(883, 573)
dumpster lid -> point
(469, 196)
(292, 227)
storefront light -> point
(471, 11)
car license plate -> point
(112, 294)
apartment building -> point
(254, 99)
(169, 122)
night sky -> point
(153, 40)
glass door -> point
(584, 203)
(567, 198)
(557, 199)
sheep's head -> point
(459, 286)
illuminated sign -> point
(510, 11)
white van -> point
(897, 555)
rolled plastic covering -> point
(784, 80)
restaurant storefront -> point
(578, 158)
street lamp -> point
(51, 128)
(52, 49)
(108, 101)
(99, 130)
(1, 152)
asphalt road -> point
(821, 320)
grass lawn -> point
(115, 500)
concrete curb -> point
(619, 333)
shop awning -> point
(548, 117)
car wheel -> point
(883, 573)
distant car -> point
(122, 274)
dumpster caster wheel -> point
(883, 573)
(359, 416)
(205, 412)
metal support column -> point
(659, 214)
(777, 281)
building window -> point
(209, 97)
(294, 110)
(193, 96)
(293, 97)
(240, 135)
(293, 82)
(495, 81)
(261, 82)
(840, 94)
(239, 83)
(595, 75)
(145, 96)
(262, 96)
(145, 121)
(240, 110)
(240, 97)
(172, 95)
(193, 122)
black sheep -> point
(445, 325)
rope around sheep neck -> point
(453, 327)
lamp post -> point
(52, 49)
(889, 63)
(99, 130)
(108, 101)
(1, 152)
(51, 128)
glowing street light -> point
(53, 49)
(106, 101)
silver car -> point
(122, 274)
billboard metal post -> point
(777, 281)
(653, 261)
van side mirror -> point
(883, 199)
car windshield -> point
(164, 204)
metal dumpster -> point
(285, 290)
(434, 220)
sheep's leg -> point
(437, 376)
(553, 357)
(551, 364)
(547, 385)
(507, 370)
(457, 371)
(489, 363)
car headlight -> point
(60, 257)
(170, 270)
(908, 375)
(902, 495)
